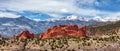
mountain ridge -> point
(13, 26)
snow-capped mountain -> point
(72, 17)
(12, 26)
(104, 19)
(65, 20)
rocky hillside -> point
(104, 43)
(104, 28)
(14, 26)
(64, 30)
(107, 42)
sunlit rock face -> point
(26, 34)
(64, 30)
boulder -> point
(26, 34)
(64, 30)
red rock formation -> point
(26, 34)
(64, 30)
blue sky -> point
(45, 9)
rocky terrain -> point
(118, 31)
(14, 26)
(104, 28)
(64, 30)
(26, 34)
(103, 43)
(55, 40)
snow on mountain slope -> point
(104, 19)
(12, 26)
(72, 17)
(65, 20)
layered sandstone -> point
(26, 34)
(64, 30)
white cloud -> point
(56, 7)
(44, 5)
(54, 15)
(48, 6)
(86, 3)
(37, 19)
(110, 17)
(64, 10)
(9, 15)
(113, 17)
(98, 18)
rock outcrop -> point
(64, 30)
(26, 34)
